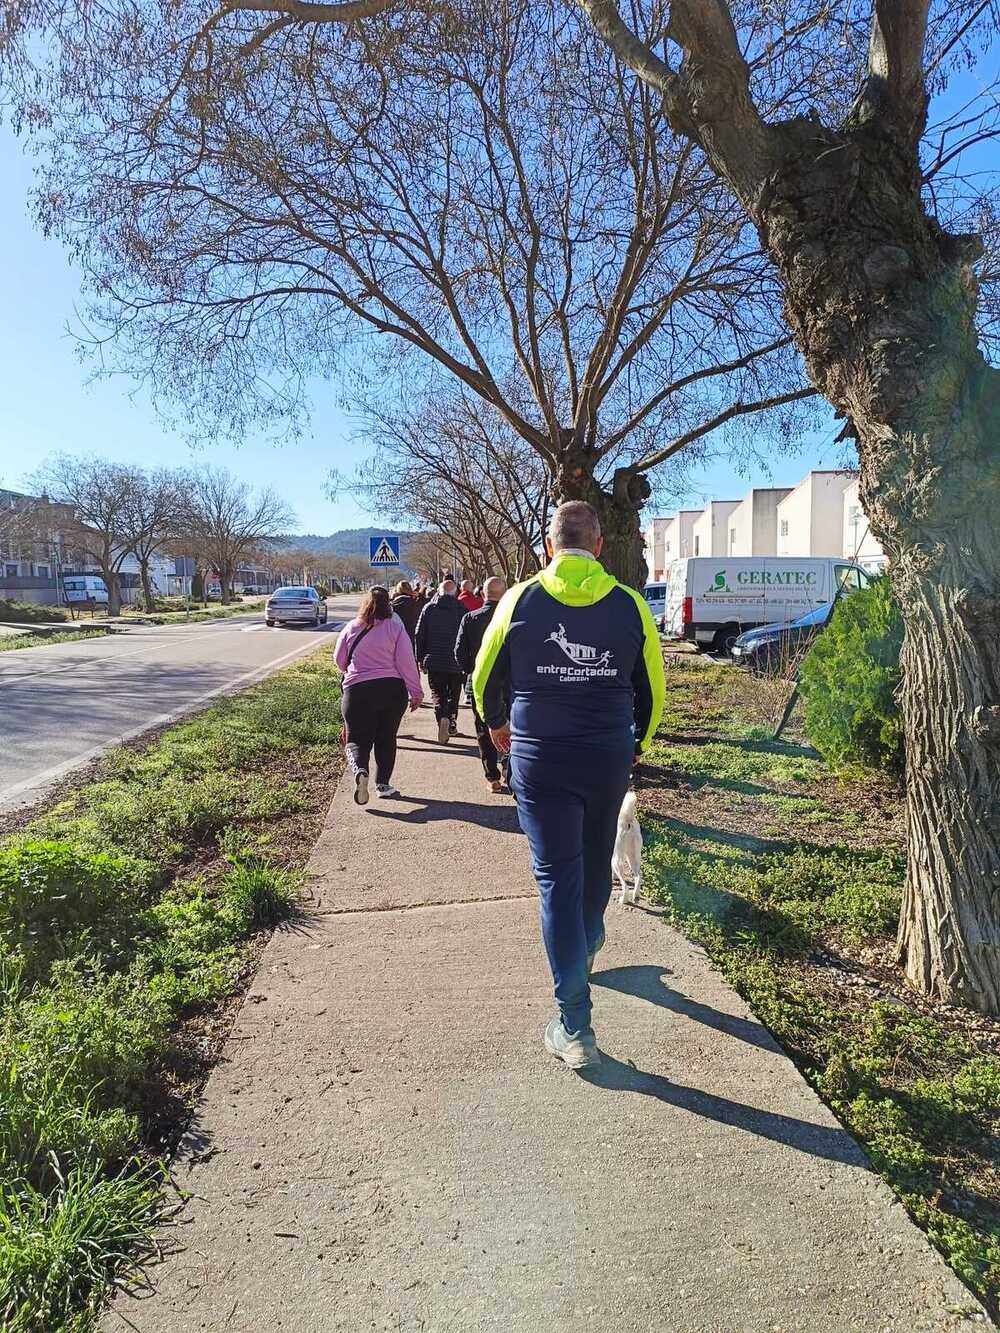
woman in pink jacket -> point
(380, 675)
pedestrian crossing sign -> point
(383, 552)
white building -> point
(653, 536)
(859, 543)
(710, 534)
(668, 539)
(753, 524)
(811, 517)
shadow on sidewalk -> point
(834, 1145)
(645, 981)
(503, 818)
(455, 745)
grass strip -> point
(790, 925)
(182, 617)
(10, 644)
(127, 910)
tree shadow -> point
(502, 818)
(420, 746)
(645, 981)
(786, 749)
(823, 1141)
(744, 842)
(671, 779)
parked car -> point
(771, 648)
(712, 601)
(656, 595)
(295, 606)
(84, 590)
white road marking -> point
(84, 662)
(50, 775)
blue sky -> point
(47, 404)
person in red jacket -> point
(468, 597)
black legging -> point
(373, 710)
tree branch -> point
(734, 410)
(709, 100)
(895, 83)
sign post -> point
(383, 552)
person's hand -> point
(415, 704)
(501, 737)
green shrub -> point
(849, 681)
(29, 613)
(61, 1251)
(43, 1116)
(53, 896)
(103, 1030)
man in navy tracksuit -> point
(578, 656)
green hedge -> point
(849, 683)
(29, 613)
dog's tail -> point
(627, 812)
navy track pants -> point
(568, 799)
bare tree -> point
(227, 521)
(452, 465)
(882, 301)
(481, 188)
(154, 513)
(99, 494)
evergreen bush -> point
(849, 683)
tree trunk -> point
(110, 577)
(226, 584)
(882, 303)
(949, 929)
(147, 591)
(618, 510)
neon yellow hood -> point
(576, 581)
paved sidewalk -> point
(386, 1145)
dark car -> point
(769, 649)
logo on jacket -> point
(586, 661)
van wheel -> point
(724, 640)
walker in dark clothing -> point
(470, 637)
(408, 609)
(437, 630)
(373, 710)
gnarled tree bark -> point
(881, 302)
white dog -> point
(626, 863)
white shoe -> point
(444, 731)
(577, 1052)
(384, 789)
(361, 788)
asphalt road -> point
(63, 704)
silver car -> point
(295, 606)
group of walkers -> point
(568, 686)
(382, 652)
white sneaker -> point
(361, 788)
(444, 731)
(577, 1052)
(384, 789)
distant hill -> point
(349, 541)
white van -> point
(712, 600)
(84, 590)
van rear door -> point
(673, 602)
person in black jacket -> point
(437, 630)
(470, 637)
(407, 607)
